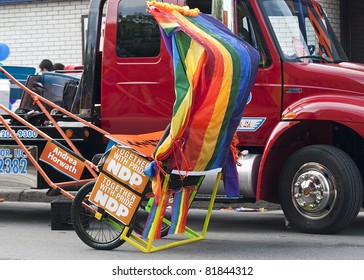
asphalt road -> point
(26, 234)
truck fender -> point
(347, 110)
(267, 174)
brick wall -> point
(43, 29)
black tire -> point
(98, 234)
(142, 216)
(320, 189)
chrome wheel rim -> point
(313, 191)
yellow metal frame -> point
(147, 246)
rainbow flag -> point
(179, 210)
(147, 232)
(214, 72)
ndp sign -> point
(121, 183)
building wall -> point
(43, 29)
(53, 29)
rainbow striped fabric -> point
(214, 72)
(179, 210)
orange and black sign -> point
(63, 159)
(143, 143)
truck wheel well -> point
(350, 142)
(304, 134)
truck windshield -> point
(302, 31)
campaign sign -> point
(115, 199)
(121, 183)
(126, 166)
(63, 160)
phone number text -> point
(21, 133)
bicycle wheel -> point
(100, 234)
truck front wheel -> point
(320, 189)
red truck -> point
(302, 130)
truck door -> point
(137, 74)
(263, 110)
